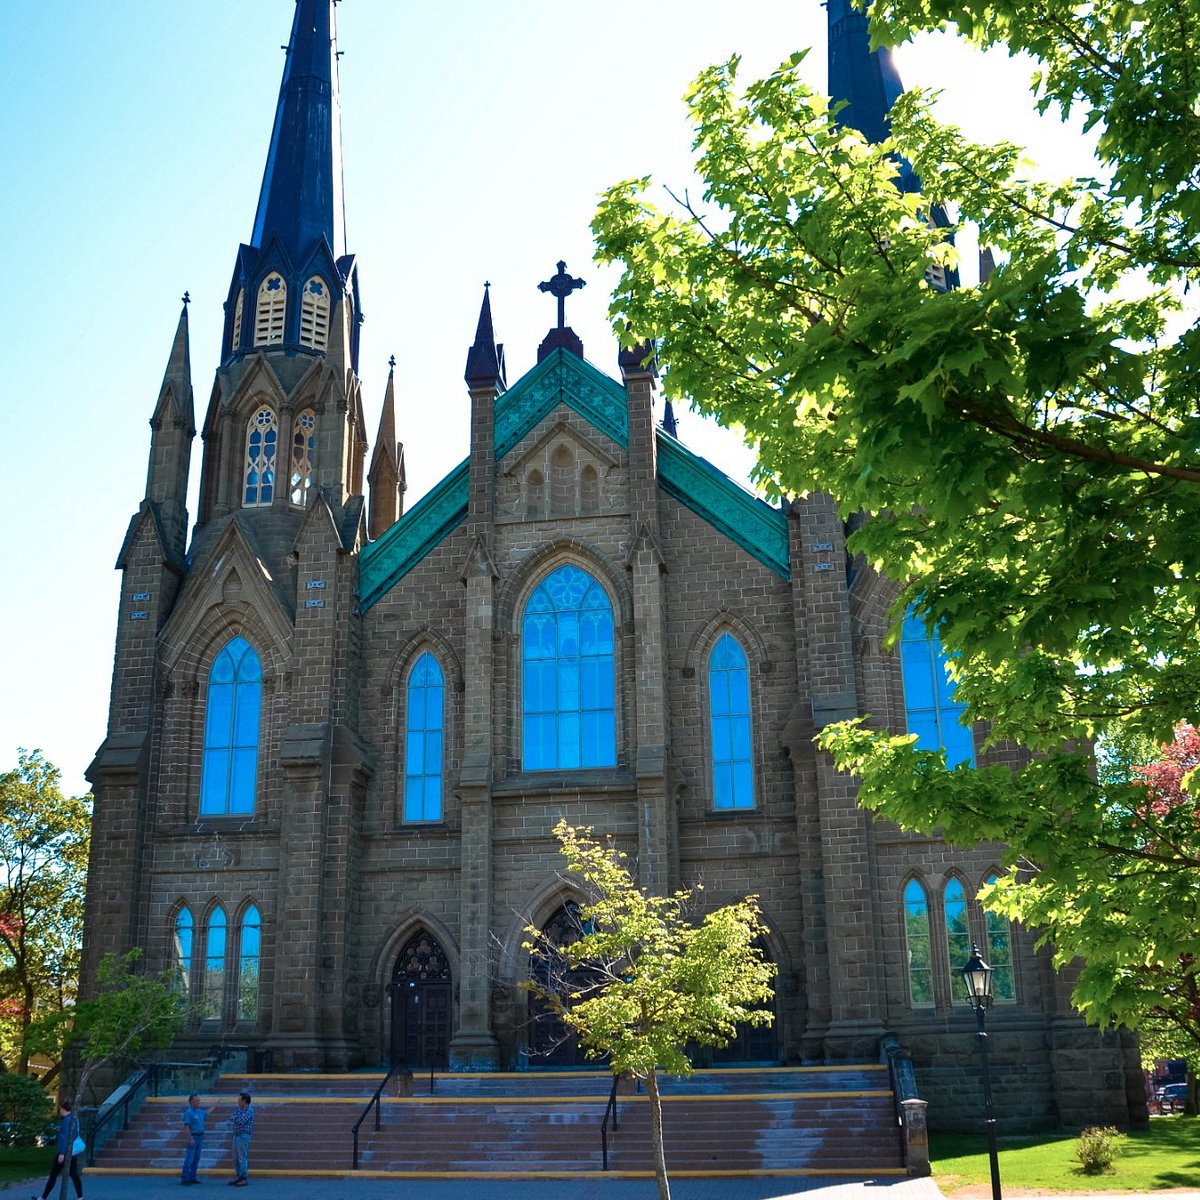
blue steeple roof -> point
(866, 79)
(301, 197)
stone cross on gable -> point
(561, 286)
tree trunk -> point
(25, 1022)
(656, 1135)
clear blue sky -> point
(477, 137)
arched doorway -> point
(551, 1043)
(421, 1003)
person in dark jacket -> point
(68, 1131)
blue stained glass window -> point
(423, 741)
(932, 712)
(918, 945)
(182, 949)
(729, 725)
(249, 954)
(212, 996)
(568, 689)
(999, 954)
(231, 732)
(958, 933)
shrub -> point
(24, 1110)
(1098, 1147)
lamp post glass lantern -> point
(977, 977)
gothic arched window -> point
(231, 731)
(270, 310)
(917, 944)
(213, 992)
(958, 932)
(235, 340)
(249, 954)
(568, 695)
(262, 444)
(314, 314)
(931, 710)
(423, 740)
(999, 953)
(181, 949)
(304, 457)
(729, 724)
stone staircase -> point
(837, 1121)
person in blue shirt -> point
(68, 1131)
(193, 1120)
(242, 1124)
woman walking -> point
(68, 1143)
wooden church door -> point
(421, 1004)
(757, 1044)
(551, 1043)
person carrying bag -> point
(67, 1145)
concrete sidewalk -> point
(350, 1187)
(157, 1187)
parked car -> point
(1172, 1095)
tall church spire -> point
(173, 425)
(386, 473)
(866, 79)
(301, 197)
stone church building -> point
(341, 733)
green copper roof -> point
(562, 378)
(384, 562)
(758, 527)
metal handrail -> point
(149, 1075)
(398, 1069)
(610, 1109)
(142, 1079)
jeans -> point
(241, 1155)
(191, 1158)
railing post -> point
(916, 1137)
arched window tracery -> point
(568, 693)
(918, 945)
(958, 933)
(249, 958)
(424, 740)
(262, 444)
(999, 956)
(304, 457)
(181, 949)
(233, 707)
(729, 725)
(212, 994)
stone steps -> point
(754, 1121)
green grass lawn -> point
(1167, 1155)
(26, 1163)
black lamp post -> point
(977, 976)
